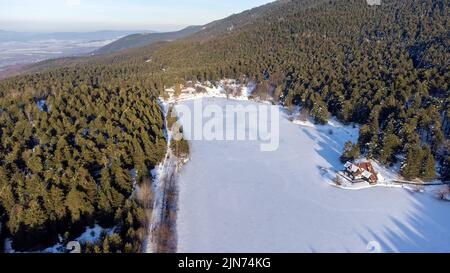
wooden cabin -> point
(362, 171)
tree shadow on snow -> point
(426, 229)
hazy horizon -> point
(134, 15)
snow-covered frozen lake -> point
(235, 198)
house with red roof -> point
(362, 171)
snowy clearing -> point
(211, 91)
(235, 198)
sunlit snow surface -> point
(235, 198)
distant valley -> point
(19, 48)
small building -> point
(361, 171)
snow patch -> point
(210, 90)
(91, 235)
(42, 105)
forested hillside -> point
(70, 143)
(143, 39)
(385, 67)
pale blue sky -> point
(89, 15)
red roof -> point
(368, 167)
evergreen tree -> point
(445, 172)
(391, 145)
(351, 152)
(177, 90)
(412, 165)
(428, 168)
(78, 205)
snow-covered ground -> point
(235, 198)
(211, 91)
(90, 235)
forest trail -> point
(164, 188)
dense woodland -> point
(384, 67)
(70, 144)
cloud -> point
(73, 3)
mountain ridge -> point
(143, 39)
(207, 31)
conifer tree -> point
(351, 152)
(412, 165)
(428, 168)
